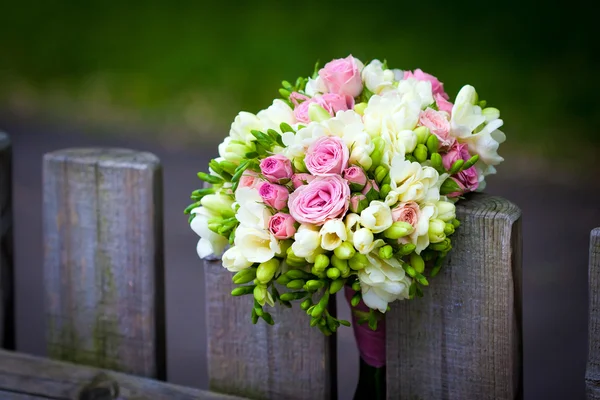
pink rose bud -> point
(358, 202)
(276, 168)
(328, 155)
(442, 103)
(467, 180)
(342, 76)
(273, 195)
(438, 124)
(324, 198)
(331, 102)
(357, 178)
(298, 98)
(371, 184)
(250, 179)
(437, 87)
(282, 226)
(301, 179)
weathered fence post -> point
(592, 373)
(463, 339)
(7, 328)
(103, 259)
(289, 360)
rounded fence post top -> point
(105, 157)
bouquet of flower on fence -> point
(349, 180)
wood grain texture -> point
(592, 373)
(7, 327)
(27, 377)
(463, 339)
(103, 259)
(289, 360)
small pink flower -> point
(328, 155)
(298, 98)
(356, 176)
(407, 212)
(442, 103)
(438, 124)
(273, 195)
(342, 76)
(250, 179)
(331, 102)
(371, 184)
(437, 87)
(282, 226)
(467, 180)
(276, 167)
(358, 202)
(301, 179)
(324, 198)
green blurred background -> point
(183, 69)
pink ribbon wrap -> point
(371, 344)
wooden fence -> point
(104, 284)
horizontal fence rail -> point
(592, 373)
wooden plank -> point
(7, 327)
(103, 259)
(289, 360)
(463, 339)
(39, 378)
(592, 373)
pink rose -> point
(276, 167)
(358, 202)
(282, 226)
(342, 76)
(250, 179)
(273, 195)
(298, 98)
(439, 125)
(442, 103)
(331, 102)
(371, 184)
(467, 180)
(301, 179)
(407, 212)
(328, 155)
(437, 87)
(324, 198)
(356, 176)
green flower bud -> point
(432, 144)
(356, 286)
(422, 133)
(260, 294)
(456, 223)
(244, 276)
(420, 153)
(422, 280)
(283, 280)
(214, 225)
(490, 113)
(321, 262)
(410, 158)
(336, 285)
(318, 274)
(436, 230)
(284, 245)
(356, 299)
(345, 251)
(398, 229)
(242, 290)
(228, 167)
(268, 318)
(386, 252)
(294, 258)
(377, 154)
(358, 262)
(299, 165)
(385, 190)
(296, 284)
(314, 285)
(219, 204)
(456, 167)
(446, 211)
(449, 229)
(386, 180)
(449, 186)
(321, 305)
(291, 296)
(266, 270)
(416, 261)
(410, 270)
(340, 264)
(406, 249)
(293, 274)
(306, 303)
(294, 262)
(470, 162)
(443, 246)
(437, 265)
(317, 113)
(380, 173)
(333, 273)
(254, 317)
(436, 162)
(359, 108)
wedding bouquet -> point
(349, 180)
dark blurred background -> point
(169, 77)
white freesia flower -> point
(382, 282)
(307, 242)
(414, 90)
(377, 79)
(252, 211)
(315, 86)
(333, 234)
(242, 126)
(352, 222)
(275, 114)
(219, 204)
(234, 260)
(377, 217)
(420, 236)
(410, 181)
(235, 150)
(363, 241)
(257, 245)
(445, 210)
(210, 242)
(297, 143)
